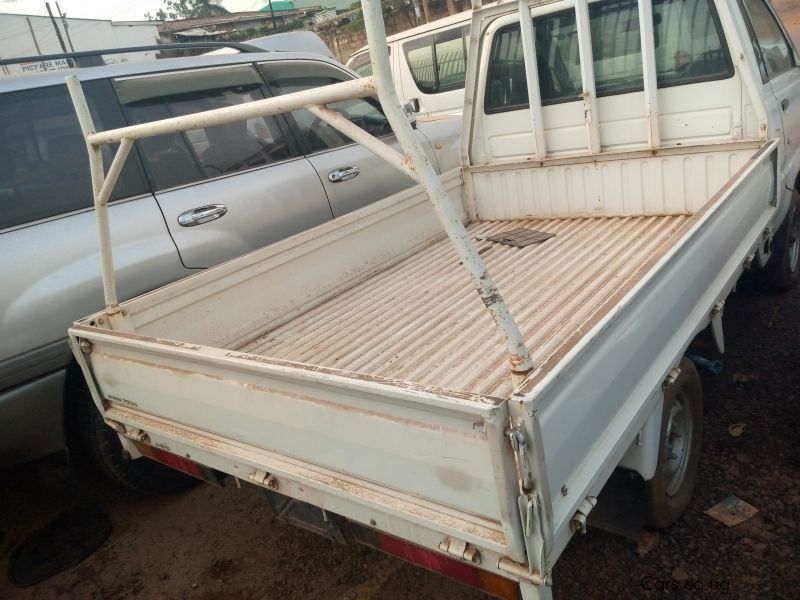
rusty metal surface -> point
(422, 321)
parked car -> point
(184, 202)
(429, 64)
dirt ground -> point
(214, 543)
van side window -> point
(438, 62)
(362, 64)
(178, 159)
(775, 51)
(44, 164)
(689, 48)
(318, 135)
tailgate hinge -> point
(264, 479)
(460, 549)
(578, 521)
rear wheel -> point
(783, 268)
(672, 486)
(95, 445)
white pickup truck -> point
(623, 162)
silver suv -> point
(183, 203)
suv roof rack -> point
(89, 55)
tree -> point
(187, 9)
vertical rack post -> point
(587, 76)
(102, 187)
(649, 73)
(518, 355)
(528, 41)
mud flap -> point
(621, 506)
(306, 516)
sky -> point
(127, 10)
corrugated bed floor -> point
(421, 320)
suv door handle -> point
(201, 214)
(785, 104)
(343, 174)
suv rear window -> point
(44, 164)
(689, 47)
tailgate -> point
(413, 461)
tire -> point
(672, 486)
(783, 268)
(97, 447)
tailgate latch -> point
(524, 471)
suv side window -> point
(178, 159)
(315, 134)
(774, 49)
(690, 48)
(44, 164)
(438, 62)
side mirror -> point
(412, 107)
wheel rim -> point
(678, 443)
(794, 247)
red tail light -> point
(181, 464)
(466, 573)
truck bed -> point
(423, 321)
(354, 367)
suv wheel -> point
(95, 443)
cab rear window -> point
(689, 48)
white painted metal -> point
(98, 185)
(676, 302)
(633, 183)
(711, 113)
(528, 42)
(401, 515)
(403, 422)
(354, 88)
(649, 71)
(702, 113)
(587, 75)
(518, 354)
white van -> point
(428, 64)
